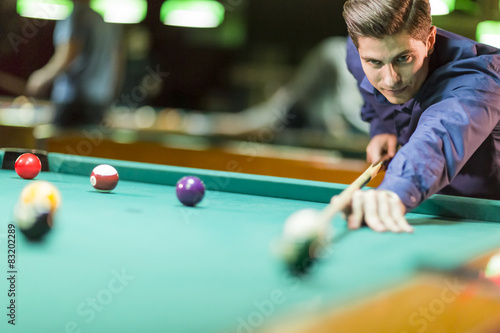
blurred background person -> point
(322, 95)
(84, 71)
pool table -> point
(136, 260)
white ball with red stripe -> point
(104, 178)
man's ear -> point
(431, 40)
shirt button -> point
(413, 199)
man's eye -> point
(374, 62)
(404, 59)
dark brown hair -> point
(382, 18)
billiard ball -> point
(35, 209)
(104, 178)
(28, 166)
(190, 190)
(303, 240)
(301, 224)
(42, 194)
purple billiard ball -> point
(190, 190)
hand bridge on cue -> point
(305, 231)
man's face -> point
(397, 66)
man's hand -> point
(39, 82)
(381, 210)
(381, 146)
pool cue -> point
(344, 199)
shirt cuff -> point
(405, 189)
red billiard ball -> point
(190, 190)
(104, 178)
(28, 166)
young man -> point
(434, 93)
(84, 69)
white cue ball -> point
(302, 224)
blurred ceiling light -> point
(113, 11)
(192, 13)
(45, 9)
(488, 32)
(121, 11)
(442, 7)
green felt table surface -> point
(136, 260)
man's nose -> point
(391, 76)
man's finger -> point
(356, 217)
(343, 213)
(391, 148)
(398, 213)
(385, 212)
(371, 215)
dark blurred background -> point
(227, 68)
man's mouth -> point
(395, 92)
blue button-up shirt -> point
(449, 131)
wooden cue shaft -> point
(344, 198)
